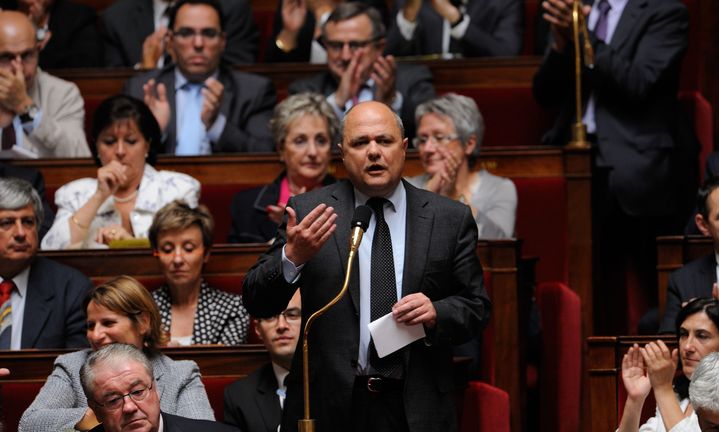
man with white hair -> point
(704, 396)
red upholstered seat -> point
(700, 112)
(486, 409)
(16, 398)
(560, 372)
(217, 198)
(264, 20)
(215, 388)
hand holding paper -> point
(389, 335)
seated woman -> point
(192, 312)
(304, 126)
(120, 310)
(120, 203)
(449, 135)
(652, 368)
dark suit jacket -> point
(693, 280)
(495, 29)
(635, 82)
(414, 82)
(448, 273)
(75, 41)
(711, 169)
(247, 104)
(252, 403)
(250, 223)
(173, 423)
(126, 23)
(35, 178)
(54, 316)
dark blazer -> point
(173, 423)
(34, 177)
(252, 403)
(635, 80)
(693, 280)
(247, 104)
(495, 29)
(414, 82)
(250, 223)
(126, 23)
(54, 316)
(448, 273)
(75, 41)
(711, 169)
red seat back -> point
(16, 398)
(486, 409)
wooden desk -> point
(672, 253)
(604, 361)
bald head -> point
(18, 46)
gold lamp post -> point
(579, 25)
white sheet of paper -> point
(389, 335)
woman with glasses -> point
(120, 310)
(449, 136)
(303, 126)
(191, 311)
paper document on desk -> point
(389, 335)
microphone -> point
(360, 222)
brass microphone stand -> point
(579, 24)
(307, 424)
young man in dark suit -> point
(254, 404)
(417, 261)
(45, 297)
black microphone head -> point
(361, 217)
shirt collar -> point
(396, 198)
(280, 375)
(181, 80)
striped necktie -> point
(6, 288)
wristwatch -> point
(30, 113)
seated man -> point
(470, 29)
(43, 299)
(119, 385)
(202, 106)
(704, 395)
(134, 32)
(354, 37)
(265, 388)
(39, 113)
(696, 278)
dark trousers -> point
(381, 411)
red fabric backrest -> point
(542, 224)
(700, 112)
(487, 363)
(218, 199)
(486, 409)
(531, 8)
(560, 374)
(16, 398)
(264, 20)
(215, 388)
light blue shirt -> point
(613, 16)
(17, 301)
(181, 96)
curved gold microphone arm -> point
(579, 28)
(307, 424)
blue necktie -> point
(603, 22)
(192, 130)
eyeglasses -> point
(291, 315)
(26, 57)
(118, 401)
(438, 139)
(187, 33)
(337, 46)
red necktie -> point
(6, 288)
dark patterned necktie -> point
(603, 22)
(6, 288)
(383, 287)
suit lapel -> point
(37, 305)
(417, 239)
(167, 77)
(627, 22)
(266, 398)
(344, 206)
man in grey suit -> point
(254, 403)
(354, 37)
(419, 247)
(118, 382)
(46, 297)
(202, 106)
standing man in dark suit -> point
(697, 278)
(45, 297)
(119, 384)
(417, 261)
(646, 156)
(354, 37)
(470, 28)
(134, 32)
(35, 178)
(254, 403)
(201, 105)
